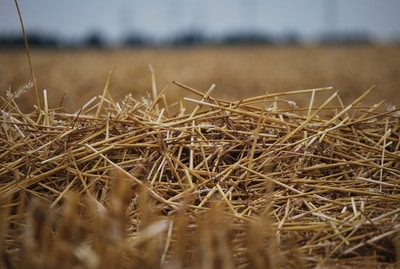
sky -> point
(161, 19)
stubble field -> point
(73, 77)
(231, 177)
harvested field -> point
(73, 77)
(130, 170)
(189, 178)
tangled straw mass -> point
(200, 183)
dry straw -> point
(257, 183)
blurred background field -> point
(73, 76)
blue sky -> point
(160, 19)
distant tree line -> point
(190, 38)
(34, 40)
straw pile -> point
(257, 183)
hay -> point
(257, 183)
